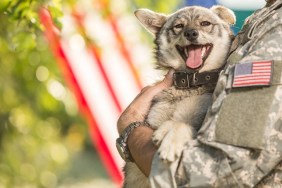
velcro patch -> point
(256, 73)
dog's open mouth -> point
(194, 55)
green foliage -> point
(39, 124)
(25, 12)
(40, 128)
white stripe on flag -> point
(96, 95)
(120, 75)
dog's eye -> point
(205, 23)
(179, 26)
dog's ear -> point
(152, 21)
(224, 13)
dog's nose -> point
(191, 34)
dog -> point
(194, 41)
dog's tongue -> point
(195, 57)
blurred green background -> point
(44, 142)
(41, 131)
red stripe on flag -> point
(105, 6)
(94, 49)
(51, 33)
(266, 76)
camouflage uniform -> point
(240, 142)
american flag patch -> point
(257, 73)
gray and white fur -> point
(176, 114)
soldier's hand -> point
(139, 107)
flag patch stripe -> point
(252, 78)
(252, 74)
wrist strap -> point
(124, 136)
(131, 127)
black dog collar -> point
(185, 80)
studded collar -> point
(186, 80)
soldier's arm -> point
(142, 148)
(139, 141)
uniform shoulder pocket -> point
(244, 113)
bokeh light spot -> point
(77, 42)
(19, 119)
(56, 89)
(59, 153)
(48, 179)
(42, 73)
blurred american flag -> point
(98, 57)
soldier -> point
(240, 142)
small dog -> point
(195, 42)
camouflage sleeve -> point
(209, 163)
(266, 46)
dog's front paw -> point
(171, 148)
(160, 133)
(174, 141)
(157, 138)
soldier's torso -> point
(244, 116)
